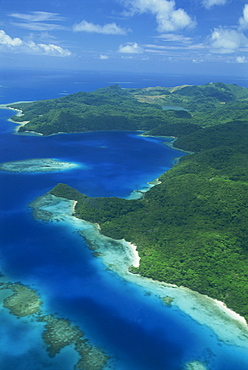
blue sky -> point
(155, 36)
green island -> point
(191, 229)
(58, 332)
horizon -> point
(207, 37)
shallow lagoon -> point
(135, 328)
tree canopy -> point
(192, 228)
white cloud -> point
(107, 29)
(209, 3)
(35, 21)
(225, 41)
(168, 18)
(37, 16)
(104, 57)
(131, 48)
(198, 60)
(174, 38)
(241, 59)
(158, 48)
(243, 21)
(126, 57)
(47, 49)
(17, 45)
(8, 41)
(38, 26)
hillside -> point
(192, 229)
(113, 108)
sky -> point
(153, 36)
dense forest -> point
(192, 228)
(113, 108)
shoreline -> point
(170, 143)
(132, 258)
(119, 255)
(138, 194)
(19, 114)
(136, 257)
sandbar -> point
(195, 365)
(36, 165)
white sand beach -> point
(136, 257)
(18, 114)
(138, 194)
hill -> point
(192, 229)
(113, 108)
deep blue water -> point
(16, 85)
(136, 330)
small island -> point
(36, 165)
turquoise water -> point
(135, 329)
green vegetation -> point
(208, 105)
(113, 108)
(110, 108)
(190, 230)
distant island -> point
(192, 229)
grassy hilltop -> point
(192, 229)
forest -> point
(114, 108)
(192, 228)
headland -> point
(119, 255)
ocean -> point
(135, 329)
(36, 85)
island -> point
(191, 229)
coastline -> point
(138, 194)
(136, 257)
(19, 114)
(119, 255)
(170, 143)
(228, 326)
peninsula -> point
(191, 229)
